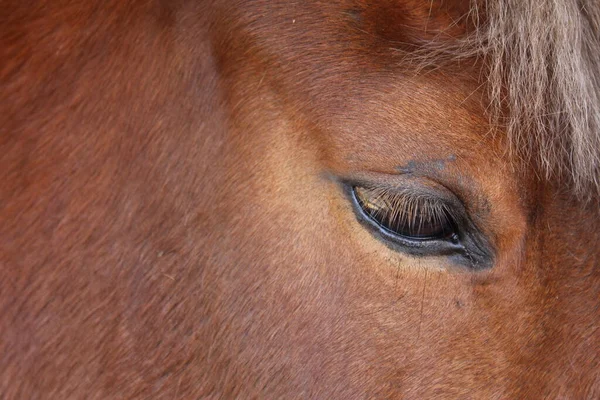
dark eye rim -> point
(470, 249)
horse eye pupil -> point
(405, 217)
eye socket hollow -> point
(411, 217)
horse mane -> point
(548, 54)
(542, 61)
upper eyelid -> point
(432, 209)
(429, 189)
(422, 200)
(460, 192)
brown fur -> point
(169, 228)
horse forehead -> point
(351, 77)
(342, 51)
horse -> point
(300, 199)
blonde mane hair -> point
(544, 70)
(542, 60)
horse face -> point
(282, 199)
(329, 300)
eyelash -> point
(412, 217)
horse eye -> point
(414, 218)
